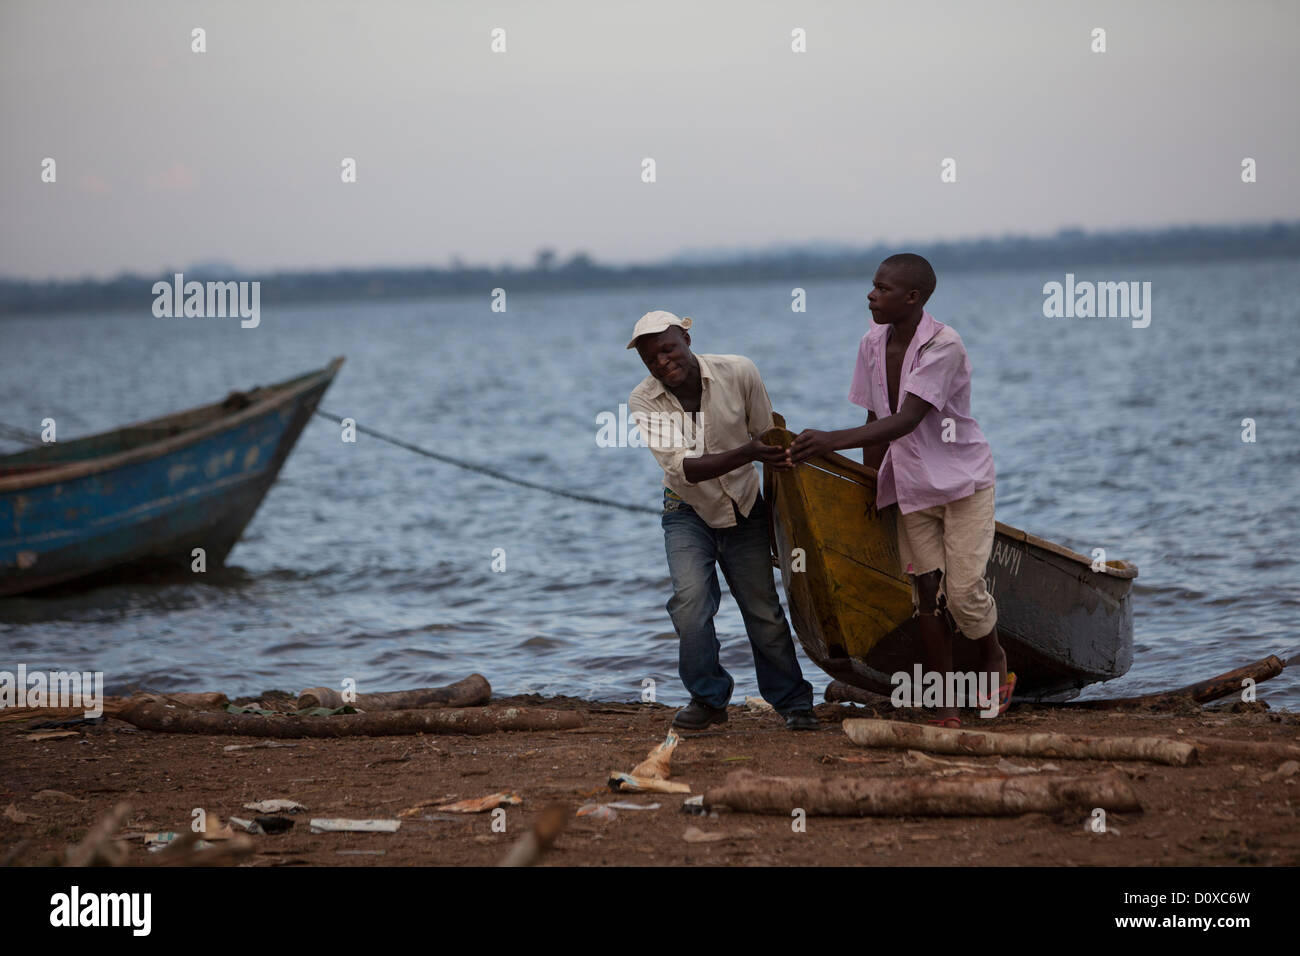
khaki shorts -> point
(955, 538)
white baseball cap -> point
(657, 321)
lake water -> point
(367, 561)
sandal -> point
(952, 722)
(1004, 696)
(1004, 693)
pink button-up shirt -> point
(944, 458)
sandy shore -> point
(1223, 811)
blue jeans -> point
(695, 550)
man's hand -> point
(811, 443)
(774, 455)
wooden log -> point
(49, 713)
(476, 720)
(470, 692)
(112, 706)
(890, 733)
(1219, 749)
(205, 700)
(1202, 692)
(995, 795)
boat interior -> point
(130, 437)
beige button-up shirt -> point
(734, 408)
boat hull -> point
(1063, 625)
(148, 506)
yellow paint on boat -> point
(852, 592)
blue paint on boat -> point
(147, 495)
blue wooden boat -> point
(143, 497)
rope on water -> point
(490, 472)
(24, 435)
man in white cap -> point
(701, 415)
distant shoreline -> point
(1068, 249)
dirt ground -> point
(1224, 811)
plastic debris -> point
(651, 775)
(159, 841)
(598, 811)
(276, 806)
(340, 825)
(695, 806)
(261, 826)
(214, 829)
(757, 705)
(482, 804)
(633, 784)
(412, 811)
(656, 765)
(629, 805)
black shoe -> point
(698, 716)
(802, 720)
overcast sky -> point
(166, 157)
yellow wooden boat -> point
(1063, 624)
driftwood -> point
(1217, 748)
(184, 851)
(100, 845)
(1202, 692)
(913, 796)
(477, 720)
(207, 700)
(470, 692)
(103, 846)
(52, 713)
(889, 733)
(113, 706)
(533, 844)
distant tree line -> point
(1068, 249)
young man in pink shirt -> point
(913, 377)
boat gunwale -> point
(279, 394)
(837, 464)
